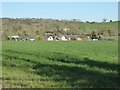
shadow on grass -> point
(66, 58)
(76, 76)
(72, 75)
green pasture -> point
(60, 64)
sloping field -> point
(42, 64)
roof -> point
(13, 36)
(48, 34)
(72, 36)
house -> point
(47, 35)
(63, 38)
(50, 38)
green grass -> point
(42, 64)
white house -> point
(63, 38)
(50, 38)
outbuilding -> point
(15, 38)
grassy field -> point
(42, 64)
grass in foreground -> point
(60, 64)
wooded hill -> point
(37, 27)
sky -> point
(84, 11)
(60, 0)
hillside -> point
(36, 28)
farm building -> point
(18, 38)
(15, 38)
